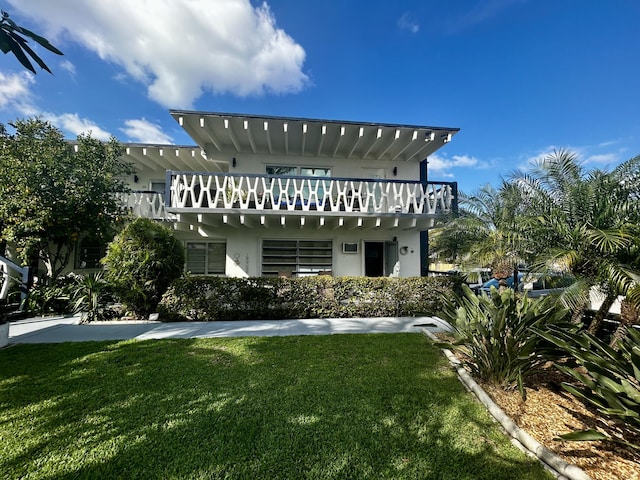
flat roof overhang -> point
(225, 134)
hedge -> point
(200, 298)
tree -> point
(141, 262)
(12, 39)
(51, 194)
(583, 222)
(486, 232)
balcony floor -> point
(238, 218)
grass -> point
(317, 407)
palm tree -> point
(582, 222)
(486, 232)
(630, 305)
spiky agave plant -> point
(494, 334)
(88, 295)
(609, 380)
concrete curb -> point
(557, 465)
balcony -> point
(267, 200)
(147, 204)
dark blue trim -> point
(167, 189)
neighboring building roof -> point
(159, 158)
(223, 134)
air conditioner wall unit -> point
(350, 248)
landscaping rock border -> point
(562, 469)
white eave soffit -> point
(231, 134)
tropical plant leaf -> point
(23, 44)
(16, 48)
(589, 435)
(12, 41)
(41, 40)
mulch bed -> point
(550, 411)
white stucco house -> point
(266, 196)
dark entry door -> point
(379, 258)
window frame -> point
(95, 244)
(296, 257)
(206, 265)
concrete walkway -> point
(68, 329)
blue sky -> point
(518, 77)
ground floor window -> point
(90, 252)
(296, 258)
(206, 258)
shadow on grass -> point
(344, 406)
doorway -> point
(380, 258)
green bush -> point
(609, 379)
(494, 333)
(217, 298)
(141, 262)
(52, 299)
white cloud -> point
(406, 22)
(181, 48)
(71, 122)
(15, 93)
(464, 161)
(587, 155)
(69, 67)
(606, 158)
(608, 143)
(441, 164)
(144, 131)
(527, 161)
(481, 12)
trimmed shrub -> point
(141, 262)
(217, 298)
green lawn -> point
(322, 407)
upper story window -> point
(290, 171)
(315, 172)
(157, 186)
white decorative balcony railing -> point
(264, 193)
(147, 204)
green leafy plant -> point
(55, 298)
(51, 194)
(609, 379)
(493, 334)
(141, 262)
(12, 39)
(88, 295)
